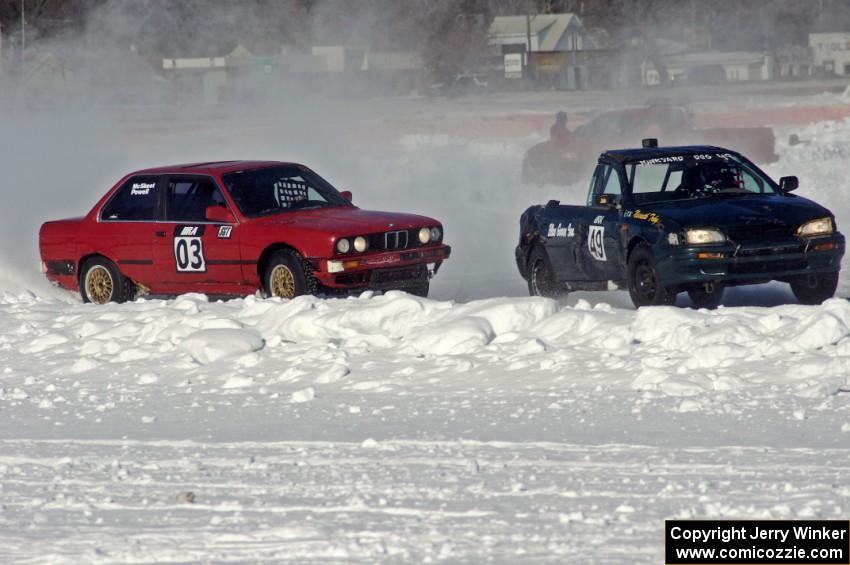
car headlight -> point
(424, 236)
(703, 236)
(820, 226)
(436, 234)
(361, 244)
(343, 246)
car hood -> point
(347, 220)
(737, 210)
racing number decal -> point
(189, 249)
(595, 242)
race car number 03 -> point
(189, 254)
(595, 242)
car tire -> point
(541, 280)
(814, 289)
(101, 282)
(288, 275)
(644, 287)
(703, 299)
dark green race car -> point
(696, 219)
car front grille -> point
(392, 240)
(794, 247)
(760, 232)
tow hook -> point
(709, 287)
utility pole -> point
(528, 19)
(23, 33)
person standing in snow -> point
(559, 133)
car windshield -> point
(275, 190)
(681, 177)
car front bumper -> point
(383, 270)
(751, 263)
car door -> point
(558, 226)
(193, 253)
(600, 240)
(126, 225)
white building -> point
(831, 51)
(710, 66)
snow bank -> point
(319, 342)
(208, 346)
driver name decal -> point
(650, 217)
(141, 188)
(561, 231)
(681, 158)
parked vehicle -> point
(233, 227)
(663, 220)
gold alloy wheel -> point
(99, 287)
(282, 282)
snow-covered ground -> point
(481, 425)
(394, 427)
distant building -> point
(831, 51)
(237, 75)
(548, 32)
(711, 67)
(545, 46)
(330, 69)
(46, 79)
(794, 62)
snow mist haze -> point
(64, 154)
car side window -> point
(135, 201)
(612, 182)
(187, 199)
(750, 182)
(605, 181)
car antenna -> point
(649, 142)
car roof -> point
(211, 167)
(643, 153)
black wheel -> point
(704, 299)
(101, 282)
(541, 280)
(644, 287)
(287, 275)
(814, 289)
(419, 289)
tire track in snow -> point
(115, 500)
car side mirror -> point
(347, 195)
(606, 200)
(788, 184)
(219, 214)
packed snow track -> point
(405, 429)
